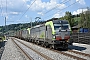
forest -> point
(82, 19)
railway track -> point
(30, 58)
(25, 53)
(70, 55)
(76, 57)
(84, 54)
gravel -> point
(33, 54)
(11, 52)
(51, 54)
(1, 51)
(84, 48)
(81, 56)
(2, 44)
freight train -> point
(53, 34)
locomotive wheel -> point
(37, 42)
(45, 44)
(42, 44)
(51, 47)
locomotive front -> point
(61, 33)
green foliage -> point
(77, 19)
(71, 18)
(82, 20)
(85, 19)
(16, 27)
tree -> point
(62, 18)
(82, 21)
(85, 19)
(68, 16)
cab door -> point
(48, 33)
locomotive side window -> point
(57, 26)
(46, 28)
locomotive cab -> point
(61, 33)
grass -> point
(77, 19)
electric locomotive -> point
(54, 34)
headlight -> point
(53, 36)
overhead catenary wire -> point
(1, 6)
(6, 16)
(17, 21)
(64, 8)
(1, 9)
(22, 7)
(27, 9)
(6, 8)
(18, 14)
(57, 6)
(63, 2)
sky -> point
(25, 11)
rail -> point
(27, 55)
(46, 57)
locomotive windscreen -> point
(57, 26)
(65, 26)
(60, 24)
